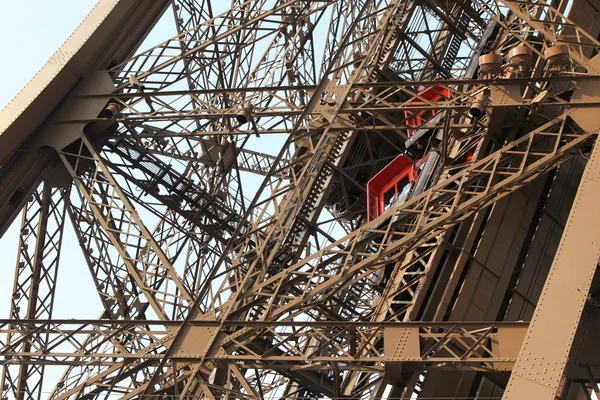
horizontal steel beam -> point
(284, 345)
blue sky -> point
(36, 29)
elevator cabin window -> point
(389, 187)
(396, 193)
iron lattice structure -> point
(217, 184)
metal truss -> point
(290, 344)
(218, 194)
(106, 209)
(35, 284)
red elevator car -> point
(410, 173)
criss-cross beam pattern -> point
(474, 345)
(217, 183)
(35, 283)
(469, 346)
(177, 241)
(107, 209)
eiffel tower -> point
(309, 199)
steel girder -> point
(278, 257)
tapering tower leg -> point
(34, 284)
(546, 353)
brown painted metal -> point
(35, 283)
(540, 372)
(260, 276)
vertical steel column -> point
(545, 354)
(34, 285)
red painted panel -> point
(386, 179)
(429, 94)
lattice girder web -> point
(220, 194)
